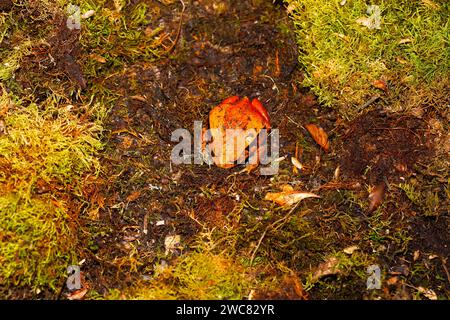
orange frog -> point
(234, 126)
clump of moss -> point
(119, 34)
(197, 275)
(37, 242)
(409, 52)
(44, 155)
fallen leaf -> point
(171, 243)
(430, 4)
(280, 159)
(391, 281)
(416, 255)
(292, 7)
(374, 21)
(364, 21)
(401, 60)
(288, 196)
(351, 249)
(337, 172)
(326, 268)
(380, 84)
(126, 143)
(296, 163)
(139, 98)
(292, 281)
(319, 135)
(376, 197)
(97, 58)
(133, 196)
(77, 295)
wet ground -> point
(248, 48)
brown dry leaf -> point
(294, 282)
(319, 135)
(380, 84)
(97, 58)
(376, 197)
(288, 196)
(139, 98)
(401, 60)
(391, 281)
(430, 4)
(133, 196)
(416, 255)
(126, 143)
(326, 268)
(77, 295)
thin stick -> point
(267, 229)
(179, 29)
(369, 102)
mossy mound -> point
(348, 57)
(44, 156)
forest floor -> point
(150, 229)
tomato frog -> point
(235, 125)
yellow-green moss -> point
(36, 241)
(195, 276)
(342, 57)
(44, 156)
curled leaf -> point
(376, 197)
(288, 196)
(380, 84)
(296, 163)
(319, 135)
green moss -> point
(44, 156)
(36, 241)
(342, 57)
(119, 34)
(50, 146)
(196, 276)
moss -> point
(196, 275)
(46, 147)
(343, 58)
(118, 35)
(44, 155)
(36, 241)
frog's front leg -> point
(253, 156)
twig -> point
(369, 102)
(178, 30)
(272, 225)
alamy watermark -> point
(374, 278)
(73, 17)
(74, 278)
